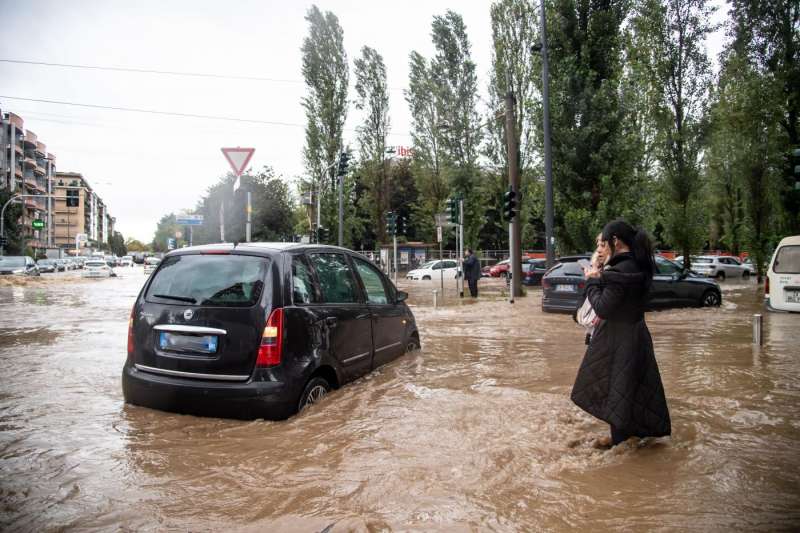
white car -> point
(150, 265)
(95, 268)
(720, 267)
(782, 289)
(447, 268)
(126, 261)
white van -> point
(782, 291)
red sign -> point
(238, 158)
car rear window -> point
(211, 280)
(567, 269)
(787, 261)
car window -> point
(787, 261)
(211, 280)
(11, 261)
(437, 266)
(666, 267)
(335, 278)
(702, 260)
(373, 283)
(303, 289)
(449, 264)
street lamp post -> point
(514, 233)
(548, 159)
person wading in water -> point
(618, 380)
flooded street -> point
(474, 432)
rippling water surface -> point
(473, 432)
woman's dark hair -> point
(636, 239)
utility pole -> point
(461, 248)
(514, 235)
(249, 211)
(222, 220)
(548, 157)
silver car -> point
(720, 267)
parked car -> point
(747, 262)
(95, 268)
(532, 271)
(260, 330)
(448, 268)
(500, 269)
(126, 261)
(782, 288)
(150, 265)
(719, 266)
(21, 265)
(563, 287)
(61, 266)
(46, 265)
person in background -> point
(472, 271)
(618, 380)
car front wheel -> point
(720, 275)
(426, 277)
(710, 299)
(315, 390)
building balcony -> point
(41, 149)
(16, 120)
(18, 149)
(36, 187)
(37, 169)
(18, 173)
(30, 204)
(30, 140)
(29, 162)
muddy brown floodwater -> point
(475, 432)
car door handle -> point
(331, 321)
(365, 315)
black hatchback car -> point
(260, 330)
(563, 287)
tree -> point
(373, 100)
(671, 49)
(11, 228)
(134, 245)
(326, 74)
(116, 243)
(273, 218)
(165, 230)
(514, 34)
(766, 34)
(593, 159)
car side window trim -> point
(312, 273)
(388, 294)
(358, 291)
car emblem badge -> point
(188, 314)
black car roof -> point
(268, 247)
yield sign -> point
(238, 158)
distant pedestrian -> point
(618, 380)
(472, 271)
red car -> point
(499, 270)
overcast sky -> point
(145, 165)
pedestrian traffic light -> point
(452, 210)
(509, 204)
(391, 223)
(344, 162)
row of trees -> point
(642, 125)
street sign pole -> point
(190, 235)
(461, 240)
(394, 240)
(341, 215)
(249, 210)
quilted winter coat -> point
(618, 380)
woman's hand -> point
(592, 272)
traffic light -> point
(400, 225)
(322, 234)
(344, 162)
(391, 223)
(452, 210)
(795, 159)
(509, 204)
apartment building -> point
(78, 210)
(26, 168)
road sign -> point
(37, 223)
(438, 234)
(189, 220)
(170, 244)
(238, 159)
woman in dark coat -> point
(618, 380)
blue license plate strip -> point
(188, 343)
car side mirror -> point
(402, 296)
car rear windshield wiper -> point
(179, 298)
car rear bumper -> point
(559, 306)
(248, 400)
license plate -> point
(565, 288)
(188, 343)
(793, 297)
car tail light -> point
(766, 286)
(546, 283)
(131, 344)
(269, 353)
(581, 284)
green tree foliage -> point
(326, 74)
(116, 243)
(11, 226)
(372, 192)
(766, 35)
(134, 245)
(671, 38)
(165, 229)
(515, 33)
(593, 161)
(273, 212)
